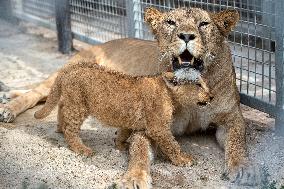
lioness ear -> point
(152, 16)
(226, 20)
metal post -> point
(279, 63)
(63, 25)
(6, 9)
(130, 18)
(267, 19)
(138, 19)
(168, 4)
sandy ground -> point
(33, 155)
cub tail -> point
(51, 101)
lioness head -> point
(190, 38)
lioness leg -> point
(9, 111)
(232, 137)
(71, 121)
(5, 97)
(235, 143)
(138, 172)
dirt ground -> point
(33, 155)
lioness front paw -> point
(246, 175)
(4, 99)
(6, 115)
(139, 180)
(183, 160)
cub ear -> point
(226, 20)
(152, 17)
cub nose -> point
(186, 37)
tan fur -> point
(118, 100)
(138, 57)
(138, 173)
(105, 54)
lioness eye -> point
(171, 22)
(203, 24)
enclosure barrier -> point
(256, 43)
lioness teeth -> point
(179, 60)
(187, 63)
(192, 61)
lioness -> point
(203, 34)
(121, 101)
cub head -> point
(190, 37)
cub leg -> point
(9, 111)
(231, 135)
(162, 135)
(71, 121)
(140, 157)
(121, 138)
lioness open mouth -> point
(187, 60)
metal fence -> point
(256, 43)
(99, 20)
(41, 12)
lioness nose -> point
(186, 37)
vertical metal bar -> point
(248, 46)
(241, 44)
(255, 50)
(262, 69)
(169, 4)
(138, 19)
(130, 18)
(270, 61)
(279, 61)
(63, 26)
(6, 9)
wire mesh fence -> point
(99, 20)
(253, 42)
(41, 12)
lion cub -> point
(88, 89)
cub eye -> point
(203, 24)
(171, 22)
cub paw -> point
(6, 115)
(183, 160)
(246, 175)
(139, 180)
(87, 152)
(83, 150)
